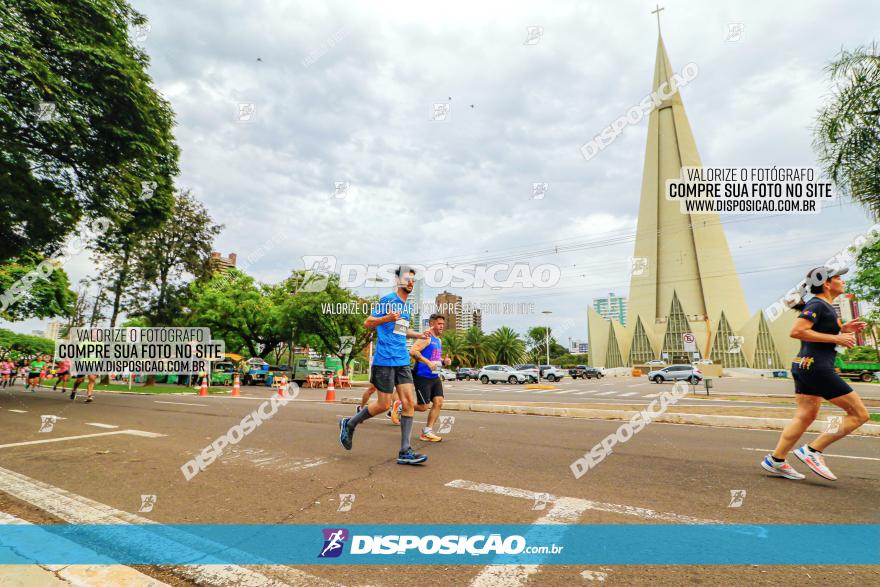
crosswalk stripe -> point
(628, 394)
(606, 393)
(586, 392)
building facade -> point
(612, 307)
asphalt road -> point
(487, 470)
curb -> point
(594, 414)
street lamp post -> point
(546, 340)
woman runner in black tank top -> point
(820, 332)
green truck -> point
(861, 370)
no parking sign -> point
(690, 342)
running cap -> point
(817, 276)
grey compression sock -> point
(406, 423)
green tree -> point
(537, 344)
(246, 315)
(507, 346)
(872, 320)
(180, 247)
(15, 346)
(82, 130)
(847, 133)
(312, 315)
(866, 282)
(26, 291)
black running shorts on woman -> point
(385, 378)
(813, 369)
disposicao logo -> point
(334, 541)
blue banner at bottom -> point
(625, 544)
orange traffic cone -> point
(331, 391)
(282, 385)
(203, 390)
(236, 386)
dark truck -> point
(861, 370)
(585, 372)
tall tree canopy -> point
(82, 130)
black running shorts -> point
(427, 388)
(818, 380)
(386, 378)
(33, 374)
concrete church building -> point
(683, 278)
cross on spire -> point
(657, 12)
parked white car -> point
(553, 373)
(447, 375)
(656, 362)
(503, 373)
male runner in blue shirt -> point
(390, 367)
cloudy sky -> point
(344, 92)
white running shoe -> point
(782, 469)
(815, 461)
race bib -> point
(401, 327)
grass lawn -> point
(875, 417)
(138, 388)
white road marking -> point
(594, 576)
(75, 509)
(606, 393)
(628, 394)
(586, 392)
(636, 385)
(178, 403)
(19, 411)
(767, 450)
(651, 395)
(86, 574)
(565, 510)
(99, 425)
(562, 392)
(613, 508)
(63, 438)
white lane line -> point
(63, 438)
(636, 385)
(562, 392)
(613, 508)
(628, 394)
(586, 392)
(540, 390)
(99, 425)
(607, 393)
(177, 403)
(85, 574)
(76, 509)
(651, 395)
(520, 390)
(565, 510)
(19, 411)
(767, 450)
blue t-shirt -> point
(391, 344)
(432, 352)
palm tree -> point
(453, 347)
(476, 345)
(847, 133)
(508, 347)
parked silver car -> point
(676, 373)
(503, 373)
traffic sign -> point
(690, 342)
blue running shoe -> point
(345, 433)
(410, 458)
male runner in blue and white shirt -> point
(390, 369)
